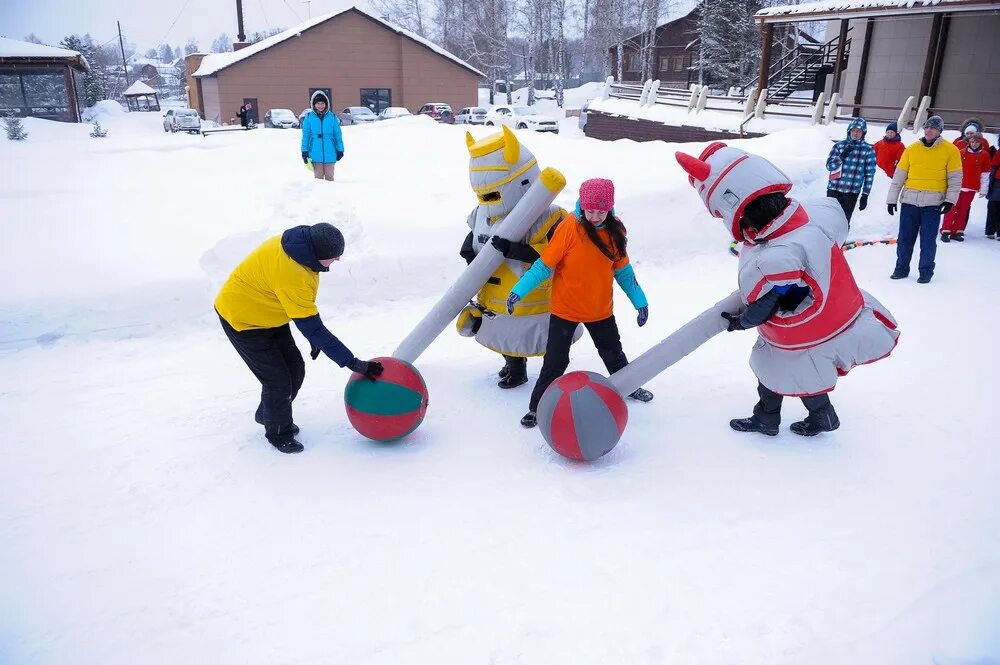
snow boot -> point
(517, 373)
(991, 236)
(923, 279)
(642, 395)
(287, 445)
(958, 236)
(945, 236)
(826, 422)
(260, 421)
(898, 275)
(529, 420)
(752, 424)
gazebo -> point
(140, 97)
(40, 81)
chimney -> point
(238, 45)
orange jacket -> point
(583, 276)
(974, 165)
(887, 154)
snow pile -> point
(103, 110)
(136, 492)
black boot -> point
(259, 419)
(945, 236)
(517, 373)
(529, 420)
(812, 426)
(958, 236)
(287, 445)
(642, 395)
(751, 424)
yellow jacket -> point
(268, 289)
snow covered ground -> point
(143, 518)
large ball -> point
(389, 408)
(582, 416)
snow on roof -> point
(218, 61)
(12, 48)
(677, 9)
(139, 88)
(832, 6)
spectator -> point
(322, 140)
(993, 200)
(927, 182)
(970, 127)
(889, 149)
(851, 164)
(975, 178)
(243, 115)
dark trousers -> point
(272, 356)
(993, 218)
(606, 339)
(914, 221)
(768, 409)
(846, 201)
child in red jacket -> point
(889, 149)
(975, 178)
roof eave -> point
(875, 12)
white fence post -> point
(653, 91)
(904, 115)
(702, 98)
(645, 92)
(749, 105)
(918, 121)
(831, 113)
(761, 104)
(608, 82)
(818, 111)
(695, 91)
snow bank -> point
(103, 110)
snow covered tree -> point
(222, 44)
(165, 53)
(730, 42)
(410, 14)
(261, 35)
(191, 46)
(98, 132)
(14, 128)
(33, 38)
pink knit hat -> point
(597, 194)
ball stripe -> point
(382, 398)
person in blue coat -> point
(851, 164)
(322, 141)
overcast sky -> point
(147, 23)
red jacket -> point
(887, 154)
(974, 165)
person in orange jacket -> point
(975, 178)
(889, 149)
(586, 253)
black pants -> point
(846, 201)
(606, 339)
(993, 217)
(272, 356)
(768, 409)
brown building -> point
(40, 81)
(356, 57)
(673, 55)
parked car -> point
(302, 116)
(438, 111)
(357, 115)
(280, 119)
(393, 112)
(471, 115)
(521, 117)
(181, 120)
(583, 113)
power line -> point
(186, 2)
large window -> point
(37, 92)
(377, 99)
(679, 63)
(664, 63)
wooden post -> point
(939, 48)
(71, 98)
(859, 93)
(925, 81)
(841, 47)
(766, 37)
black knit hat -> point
(327, 241)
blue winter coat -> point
(857, 167)
(321, 137)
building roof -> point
(673, 11)
(834, 9)
(139, 88)
(216, 62)
(13, 48)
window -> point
(679, 63)
(664, 63)
(631, 62)
(376, 99)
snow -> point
(139, 88)
(103, 110)
(143, 519)
(846, 5)
(216, 61)
(13, 48)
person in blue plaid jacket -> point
(852, 169)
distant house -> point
(673, 53)
(40, 81)
(164, 77)
(357, 58)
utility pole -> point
(121, 45)
(308, 4)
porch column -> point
(841, 47)
(766, 37)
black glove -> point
(945, 207)
(511, 301)
(844, 153)
(305, 158)
(368, 368)
(502, 245)
(340, 155)
(643, 316)
(313, 351)
(734, 322)
(864, 202)
(892, 208)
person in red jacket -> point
(969, 127)
(975, 178)
(889, 149)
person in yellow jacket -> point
(276, 284)
(927, 183)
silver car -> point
(471, 115)
(280, 119)
(357, 115)
(181, 120)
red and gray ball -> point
(582, 416)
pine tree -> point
(98, 132)
(14, 128)
(730, 42)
